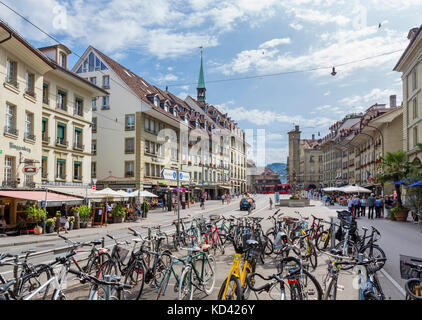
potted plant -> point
(37, 215)
(84, 216)
(71, 222)
(50, 224)
(118, 213)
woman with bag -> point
(64, 224)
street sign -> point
(172, 175)
(93, 187)
(29, 170)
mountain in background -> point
(280, 168)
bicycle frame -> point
(166, 277)
(238, 272)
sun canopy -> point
(53, 199)
(354, 189)
(401, 181)
(143, 194)
(419, 183)
(109, 193)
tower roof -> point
(201, 81)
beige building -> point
(305, 161)
(411, 68)
(31, 115)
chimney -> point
(393, 103)
(412, 33)
(296, 128)
(313, 137)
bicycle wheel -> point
(135, 276)
(323, 240)
(311, 288)
(312, 255)
(377, 253)
(162, 284)
(413, 289)
(33, 280)
(331, 292)
(234, 289)
(209, 274)
(185, 285)
(159, 269)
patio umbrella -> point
(330, 189)
(143, 194)
(402, 181)
(419, 183)
(109, 193)
(354, 189)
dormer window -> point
(166, 106)
(62, 60)
(156, 101)
(186, 118)
(175, 111)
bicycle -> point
(191, 278)
(411, 271)
(162, 286)
(212, 237)
(236, 279)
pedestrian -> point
(325, 199)
(271, 203)
(202, 202)
(109, 217)
(350, 204)
(222, 198)
(378, 207)
(64, 224)
(356, 206)
(387, 206)
(371, 206)
(363, 206)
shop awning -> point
(40, 196)
(225, 187)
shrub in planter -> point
(84, 216)
(71, 222)
(50, 225)
(38, 215)
(118, 213)
(399, 213)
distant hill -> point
(280, 168)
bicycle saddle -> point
(161, 237)
(364, 229)
(96, 242)
(336, 252)
(251, 242)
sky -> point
(273, 42)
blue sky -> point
(159, 40)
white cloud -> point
(363, 102)
(274, 43)
(327, 93)
(296, 26)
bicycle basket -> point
(122, 253)
(407, 272)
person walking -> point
(202, 202)
(350, 204)
(387, 206)
(271, 203)
(371, 206)
(378, 207)
(363, 206)
(222, 198)
(356, 206)
(64, 224)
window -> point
(146, 124)
(130, 122)
(129, 145)
(79, 104)
(29, 129)
(45, 94)
(174, 155)
(93, 80)
(147, 170)
(152, 170)
(106, 82)
(415, 136)
(195, 176)
(91, 62)
(30, 84)
(61, 134)
(12, 73)
(61, 169)
(152, 125)
(44, 130)
(8, 169)
(94, 147)
(156, 101)
(146, 146)
(166, 106)
(78, 139)
(10, 125)
(94, 104)
(44, 167)
(61, 100)
(93, 169)
(106, 102)
(152, 148)
(62, 60)
(94, 125)
(77, 170)
(415, 108)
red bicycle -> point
(212, 237)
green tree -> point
(395, 166)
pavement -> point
(396, 238)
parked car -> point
(246, 203)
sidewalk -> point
(157, 216)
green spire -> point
(201, 83)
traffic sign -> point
(172, 175)
(94, 187)
(29, 170)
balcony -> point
(78, 113)
(29, 136)
(45, 139)
(10, 184)
(12, 82)
(11, 130)
(78, 146)
(30, 92)
(61, 142)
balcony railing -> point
(45, 100)
(61, 177)
(31, 92)
(105, 107)
(62, 142)
(79, 178)
(78, 113)
(11, 130)
(78, 145)
(62, 106)
(9, 184)
(29, 136)
(45, 138)
(12, 82)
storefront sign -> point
(172, 175)
(14, 146)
